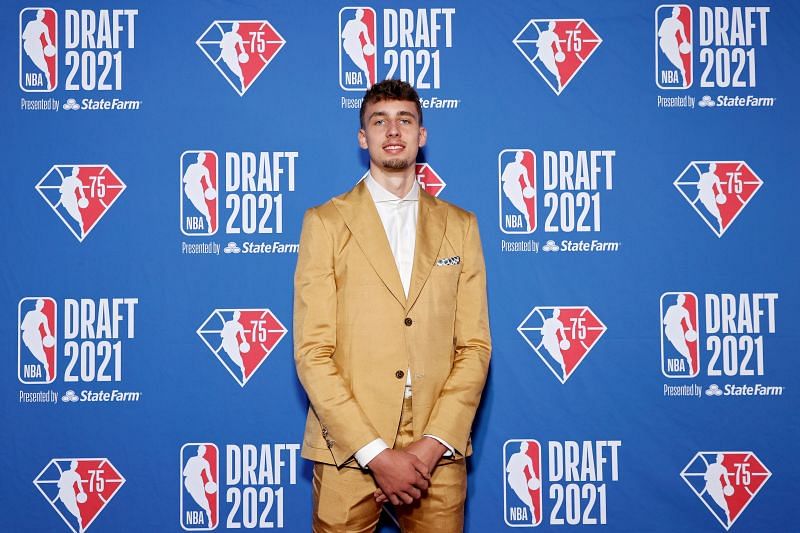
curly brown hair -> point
(390, 90)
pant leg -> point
(441, 510)
(343, 500)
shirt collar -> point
(379, 194)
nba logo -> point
(358, 54)
(240, 49)
(80, 194)
(561, 336)
(726, 482)
(38, 63)
(241, 339)
(557, 48)
(199, 192)
(37, 340)
(199, 484)
(522, 487)
(517, 188)
(674, 46)
(718, 191)
(79, 489)
(680, 344)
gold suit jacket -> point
(356, 334)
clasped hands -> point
(403, 475)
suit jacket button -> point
(399, 374)
(408, 321)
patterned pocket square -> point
(448, 261)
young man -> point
(391, 335)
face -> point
(392, 134)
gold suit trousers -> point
(343, 501)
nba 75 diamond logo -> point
(726, 482)
(561, 336)
(242, 339)
(80, 194)
(557, 48)
(718, 190)
(79, 489)
(240, 49)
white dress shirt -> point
(399, 218)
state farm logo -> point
(199, 486)
(561, 336)
(38, 63)
(78, 489)
(428, 179)
(80, 195)
(726, 482)
(241, 339)
(240, 49)
(718, 191)
(199, 192)
(412, 41)
(557, 48)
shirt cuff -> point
(369, 452)
(450, 451)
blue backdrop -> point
(630, 164)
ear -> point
(362, 139)
(423, 136)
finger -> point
(406, 497)
(414, 493)
(420, 467)
(421, 484)
(394, 499)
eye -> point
(379, 122)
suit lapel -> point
(359, 213)
(430, 232)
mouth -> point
(393, 148)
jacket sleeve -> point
(344, 425)
(454, 411)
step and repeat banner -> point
(633, 169)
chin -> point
(396, 164)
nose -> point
(392, 130)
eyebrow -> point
(399, 114)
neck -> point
(397, 182)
